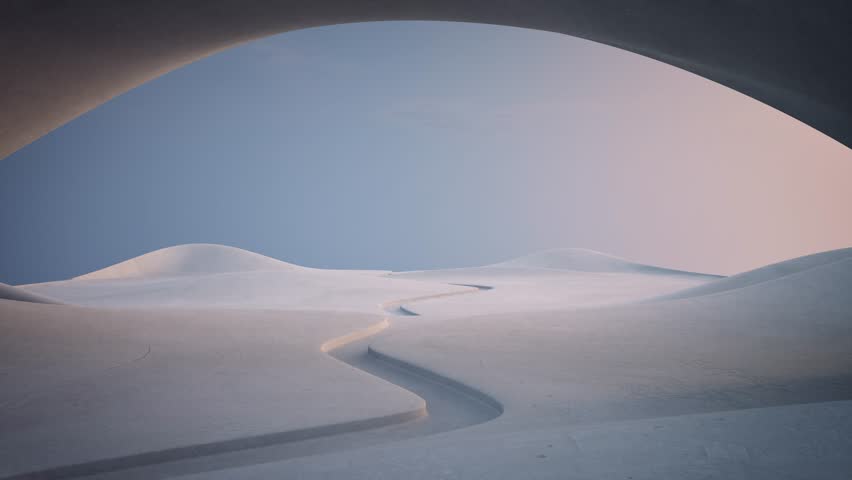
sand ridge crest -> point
(189, 259)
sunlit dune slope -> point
(763, 274)
(191, 259)
(584, 260)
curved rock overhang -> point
(62, 58)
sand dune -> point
(191, 259)
(8, 292)
(752, 383)
(127, 387)
(208, 276)
(746, 379)
(553, 279)
(779, 342)
(802, 442)
(582, 389)
(308, 289)
(584, 260)
(762, 274)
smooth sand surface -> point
(803, 442)
(763, 274)
(190, 259)
(751, 383)
(585, 260)
(8, 292)
(82, 384)
(215, 276)
(286, 290)
(564, 364)
(783, 341)
(552, 279)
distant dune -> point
(763, 274)
(8, 292)
(584, 260)
(217, 276)
(552, 280)
(190, 259)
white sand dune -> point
(784, 341)
(553, 279)
(165, 368)
(591, 379)
(85, 385)
(208, 276)
(190, 259)
(308, 289)
(584, 260)
(627, 391)
(8, 292)
(805, 441)
(762, 274)
(752, 383)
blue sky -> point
(412, 145)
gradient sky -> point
(413, 145)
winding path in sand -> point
(450, 405)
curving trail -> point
(450, 405)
